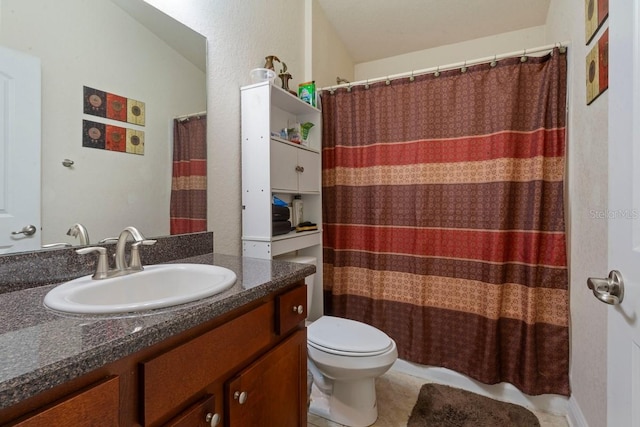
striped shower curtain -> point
(443, 218)
(188, 210)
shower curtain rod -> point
(464, 64)
(189, 116)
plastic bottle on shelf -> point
(297, 212)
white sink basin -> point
(156, 286)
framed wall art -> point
(597, 64)
(595, 13)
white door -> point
(623, 366)
(19, 151)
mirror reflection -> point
(122, 47)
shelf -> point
(294, 234)
(293, 144)
(295, 241)
(285, 100)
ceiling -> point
(375, 29)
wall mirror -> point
(123, 47)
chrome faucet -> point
(79, 230)
(135, 264)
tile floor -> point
(397, 393)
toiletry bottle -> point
(296, 210)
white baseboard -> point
(551, 403)
(575, 417)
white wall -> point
(240, 34)
(453, 53)
(98, 45)
(587, 193)
(330, 58)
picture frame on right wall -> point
(595, 13)
(597, 71)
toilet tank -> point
(309, 280)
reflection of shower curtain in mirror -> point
(189, 180)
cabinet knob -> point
(241, 397)
(298, 309)
(212, 419)
(299, 169)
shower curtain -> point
(188, 210)
(443, 218)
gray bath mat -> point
(443, 406)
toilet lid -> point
(347, 337)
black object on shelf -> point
(280, 213)
(280, 227)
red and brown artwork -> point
(111, 106)
(116, 107)
(116, 138)
(598, 68)
(596, 12)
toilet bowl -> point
(345, 358)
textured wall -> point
(330, 57)
(240, 34)
(587, 194)
(453, 53)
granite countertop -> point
(40, 349)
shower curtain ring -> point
(412, 78)
(437, 73)
(494, 62)
(388, 82)
(349, 88)
(464, 67)
(331, 90)
(524, 56)
(366, 85)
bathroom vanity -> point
(235, 359)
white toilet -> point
(345, 358)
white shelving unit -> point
(274, 166)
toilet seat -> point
(344, 337)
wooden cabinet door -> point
(95, 406)
(309, 177)
(271, 392)
(284, 160)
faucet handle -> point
(109, 240)
(57, 245)
(136, 263)
(102, 265)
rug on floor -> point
(444, 406)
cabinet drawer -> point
(180, 374)
(95, 406)
(291, 309)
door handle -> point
(28, 230)
(609, 290)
